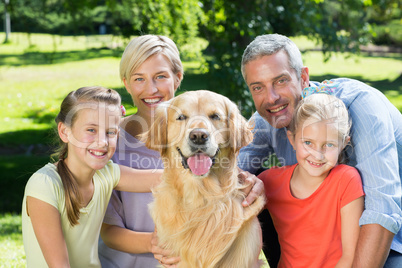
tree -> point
(44, 16)
(177, 19)
(7, 21)
(232, 25)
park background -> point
(55, 47)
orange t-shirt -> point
(309, 230)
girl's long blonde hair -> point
(68, 115)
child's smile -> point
(93, 137)
(98, 153)
(314, 164)
(317, 148)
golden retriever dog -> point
(197, 207)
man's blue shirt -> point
(376, 151)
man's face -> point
(275, 88)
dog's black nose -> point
(199, 136)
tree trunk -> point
(7, 22)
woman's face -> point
(152, 83)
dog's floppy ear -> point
(240, 130)
(156, 137)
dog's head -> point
(198, 130)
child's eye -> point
(329, 145)
(160, 76)
(139, 79)
(112, 133)
(91, 130)
(307, 142)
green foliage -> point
(177, 19)
(383, 11)
(232, 25)
(389, 34)
(39, 16)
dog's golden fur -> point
(200, 217)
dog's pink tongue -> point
(199, 164)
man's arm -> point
(373, 246)
(251, 157)
(374, 146)
(254, 189)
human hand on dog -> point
(254, 187)
(162, 255)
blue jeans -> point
(394, 260)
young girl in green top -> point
(65, 202)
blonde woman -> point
(151, 71)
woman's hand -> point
(254, 187)
(163, 255)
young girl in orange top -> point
(316, 204)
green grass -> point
(49, 43)
(37, 72)
(11, 247)
(383, 73)
(33, 83)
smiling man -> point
(273, 70)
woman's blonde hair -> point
(323, 107)
(141, 48)
(68, 115)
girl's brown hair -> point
(68, 115)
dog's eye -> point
(215, 116)
(181, 117)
